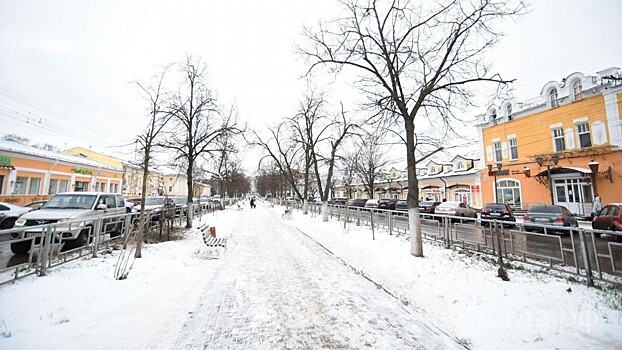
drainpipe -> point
(445, 182)
(46, 189)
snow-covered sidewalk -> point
(274, 287)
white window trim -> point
(580, 120)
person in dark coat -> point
(252, 203)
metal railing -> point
(40, 248)
(579, 251)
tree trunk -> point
(142, 231)
(414, 223)
(325, 211)
(189, 198)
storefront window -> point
(35, 185)
(508, 192)
(21, 184)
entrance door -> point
(575, 194)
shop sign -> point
(82, 171)
(5, 160)
(474, 188)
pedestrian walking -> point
(597, 206)
(252, 203)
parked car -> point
(428, 207)
(401, 205)
(371, 203)
(387, 203)
(9, 213)
(70, 206)
(608, 218)
(337, 201)
(549, 215)
(497, 211)
(357, 202)
(35, 205)
(454, 208)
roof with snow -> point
(23, 149)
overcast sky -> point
(66, 67)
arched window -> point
(508, 111)
(508, 192)
(460, 166)
(553, 98)
(576, 90)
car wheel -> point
(8, 223)
(21, 247)
(78, 242)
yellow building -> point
(561, 147)
(132, 174)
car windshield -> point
(426, 204)
(71, 201)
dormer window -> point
(576, 90)
(553, 98)
(460, 166)
(508, 111)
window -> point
(460, 166)
(35, 185)
(553, 98)
(81, 186)
(508, 110)
(498, 153)
(576, 89)
(509, 192)
(513, 149)
(558, 138)
(53, 189)
(584, 135)
(64, 186)
(26, 185)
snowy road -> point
(277, 289)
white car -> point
(80, 209)
(372, 203)
(455, 208)
(9, 214)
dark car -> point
(387, 203)
(401, 205)
(337, 201)
(497, 211)
(608, 218)
(357, 202)
(552, 216)
(428, 207)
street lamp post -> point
(499, 166)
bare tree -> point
(339, 129)
(197, 122)
(284, 153)
(311, 127)
(415, 62)
(369, 164)
(159, 117)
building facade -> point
(28, 173)
(561, 147)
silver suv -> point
(75, 208)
